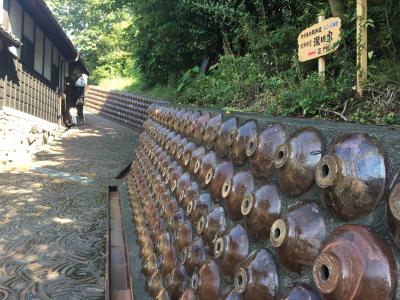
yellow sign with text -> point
(320, 39)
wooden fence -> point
(22, 90)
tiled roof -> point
(9, 38)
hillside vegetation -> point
(239, 55)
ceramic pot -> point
(260, 210)
(198, 207)
(352, 176)
(244, 137)
(235, 190)
(188, 294)
(212, 225)
(184, 235)
(297, 160)
(355, 263)
(226, 135)
(223, 172)
(206, 283)
(257, 278)
(200, 128)
(211, 131)
(231, 249)
(176, 282)
(194, 256)
(163, 295)
(261, 150)
(298, 236)
(168, 259)
(393, 212)
(208, 164)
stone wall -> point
(248, 206)
(21, 135)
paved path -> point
(53, 214)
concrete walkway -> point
(53, 214)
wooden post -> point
(321, 60)
(362, 45)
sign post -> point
(321, 60)
(319, 40)
(362, 45)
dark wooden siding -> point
(23, 90)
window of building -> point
(28, 47)
(55, 75)
(39, 47)
(48, 56)
(16, 24)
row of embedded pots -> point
(167, 197)
(351, 175)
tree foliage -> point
(249, 47)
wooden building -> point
(36, 57)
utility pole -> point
(321, 60)
(362, 45)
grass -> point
(134, 85)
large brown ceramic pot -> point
(188, 294)
(176, 282)
(163, 295)
(168, 259)
(150, 265)
(155, 283)
(208, 164)
(212, 225)
(393, 212)
(179, 150)
(261, 150)
(235, 190)
(260, 210)
(184, 235)
(211, 131)
(190, 195)
(200, 127)
(245, 134)
(199, 207)
(223, 173)
(195, 161)
(299, 291)
(297, 159)
(231, 249)
(206, 283)
(352, 176)
(226, 135)
(191, 124)
(194, 256)
(187, 154)
(231, 294)
(182, 185)
(355, 263)
(257, 278)
(298, 235)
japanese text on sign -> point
(319, 39)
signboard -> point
(319, 39)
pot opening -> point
(324, 272)
(187, 158)
(201, 224)
(226, 188)
(189, 208)
(209, 176)
(277, 233)
(241, 281)
(324, 171)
